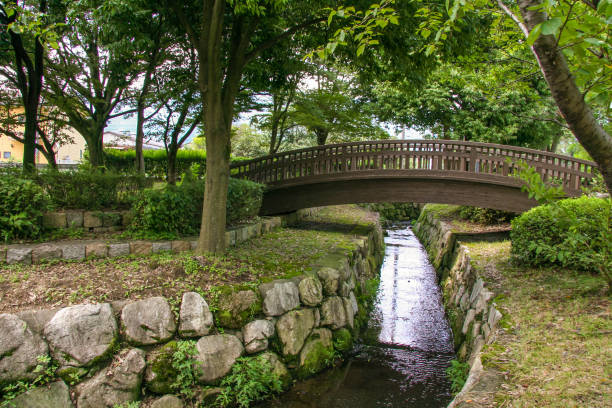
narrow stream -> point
(402, 357)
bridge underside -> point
(317, 193)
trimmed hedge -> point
(178, 209)
(22, 203)
(90, 190)
(156, 162)
(573, 233)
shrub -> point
(172, 209)
(251, 379)
(178, 209)
(90, 190)
(573, 233)
(22, 203)
(485, 215)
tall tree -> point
(571, 43)
(177, 91)
(460, 103)
(89, 75)
(331, 108)
(25, 25)
(227, 36)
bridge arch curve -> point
(422, 171)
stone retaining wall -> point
(79, 250)
(469, 305)
(112, 353)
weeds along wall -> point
(469, 305)
(224, 347)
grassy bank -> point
(555, 347)
(282, 253)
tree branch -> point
(287, 33)
(514, 17)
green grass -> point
(556, 349)
(283, 253)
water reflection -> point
(406, 349)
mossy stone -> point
(317, 354)
(237, 306)
(343, 340)
(160, 374)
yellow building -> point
(70, 153)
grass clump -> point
(457, 373)
(45, 368)
(252, 379)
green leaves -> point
(252, 379)
(362, 27)
(551, 27)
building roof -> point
(124, 141)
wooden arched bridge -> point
(422, 171)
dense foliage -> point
(22, 203)
(396, 211)
(178, 209)
(90, 190)
(485, 215)
(572, 233)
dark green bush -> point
(573, 233)
(486, 216)
(178, 209)
(22, 203)
(90, 190)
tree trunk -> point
(274, 135)
(212, 231)
(140, 164)
(321, 136)
(29, 136)
(566, 94)
(96, 148)
(171, 157)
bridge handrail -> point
(450, 157)
(240, 163)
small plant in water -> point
(457, 373)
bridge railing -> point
(436, 157)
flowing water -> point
(402, 357)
